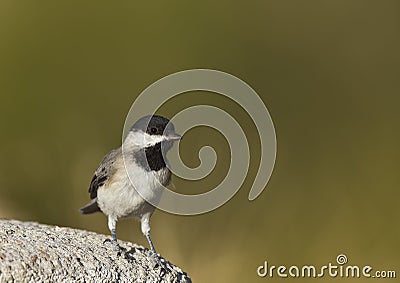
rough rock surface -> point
(32, 252)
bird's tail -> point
(91, 207)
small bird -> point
(142, 154)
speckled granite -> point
(32, 252)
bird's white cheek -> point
(142, 139)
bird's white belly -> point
(120, 199)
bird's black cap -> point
(154, 125)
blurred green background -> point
(328, 72)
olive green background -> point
(328, 71)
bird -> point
(138, 163)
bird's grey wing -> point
(104, 172)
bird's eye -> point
(153, 130)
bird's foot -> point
(116, 247)
(158, 260)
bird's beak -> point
(174, 137)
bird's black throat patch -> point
(150, 158)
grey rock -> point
(33, 252)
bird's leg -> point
(153, 250)
(112, 224)
(145, 225)
(113, 235)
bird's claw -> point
(158, 259)
(107, 241)
(116, 246)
